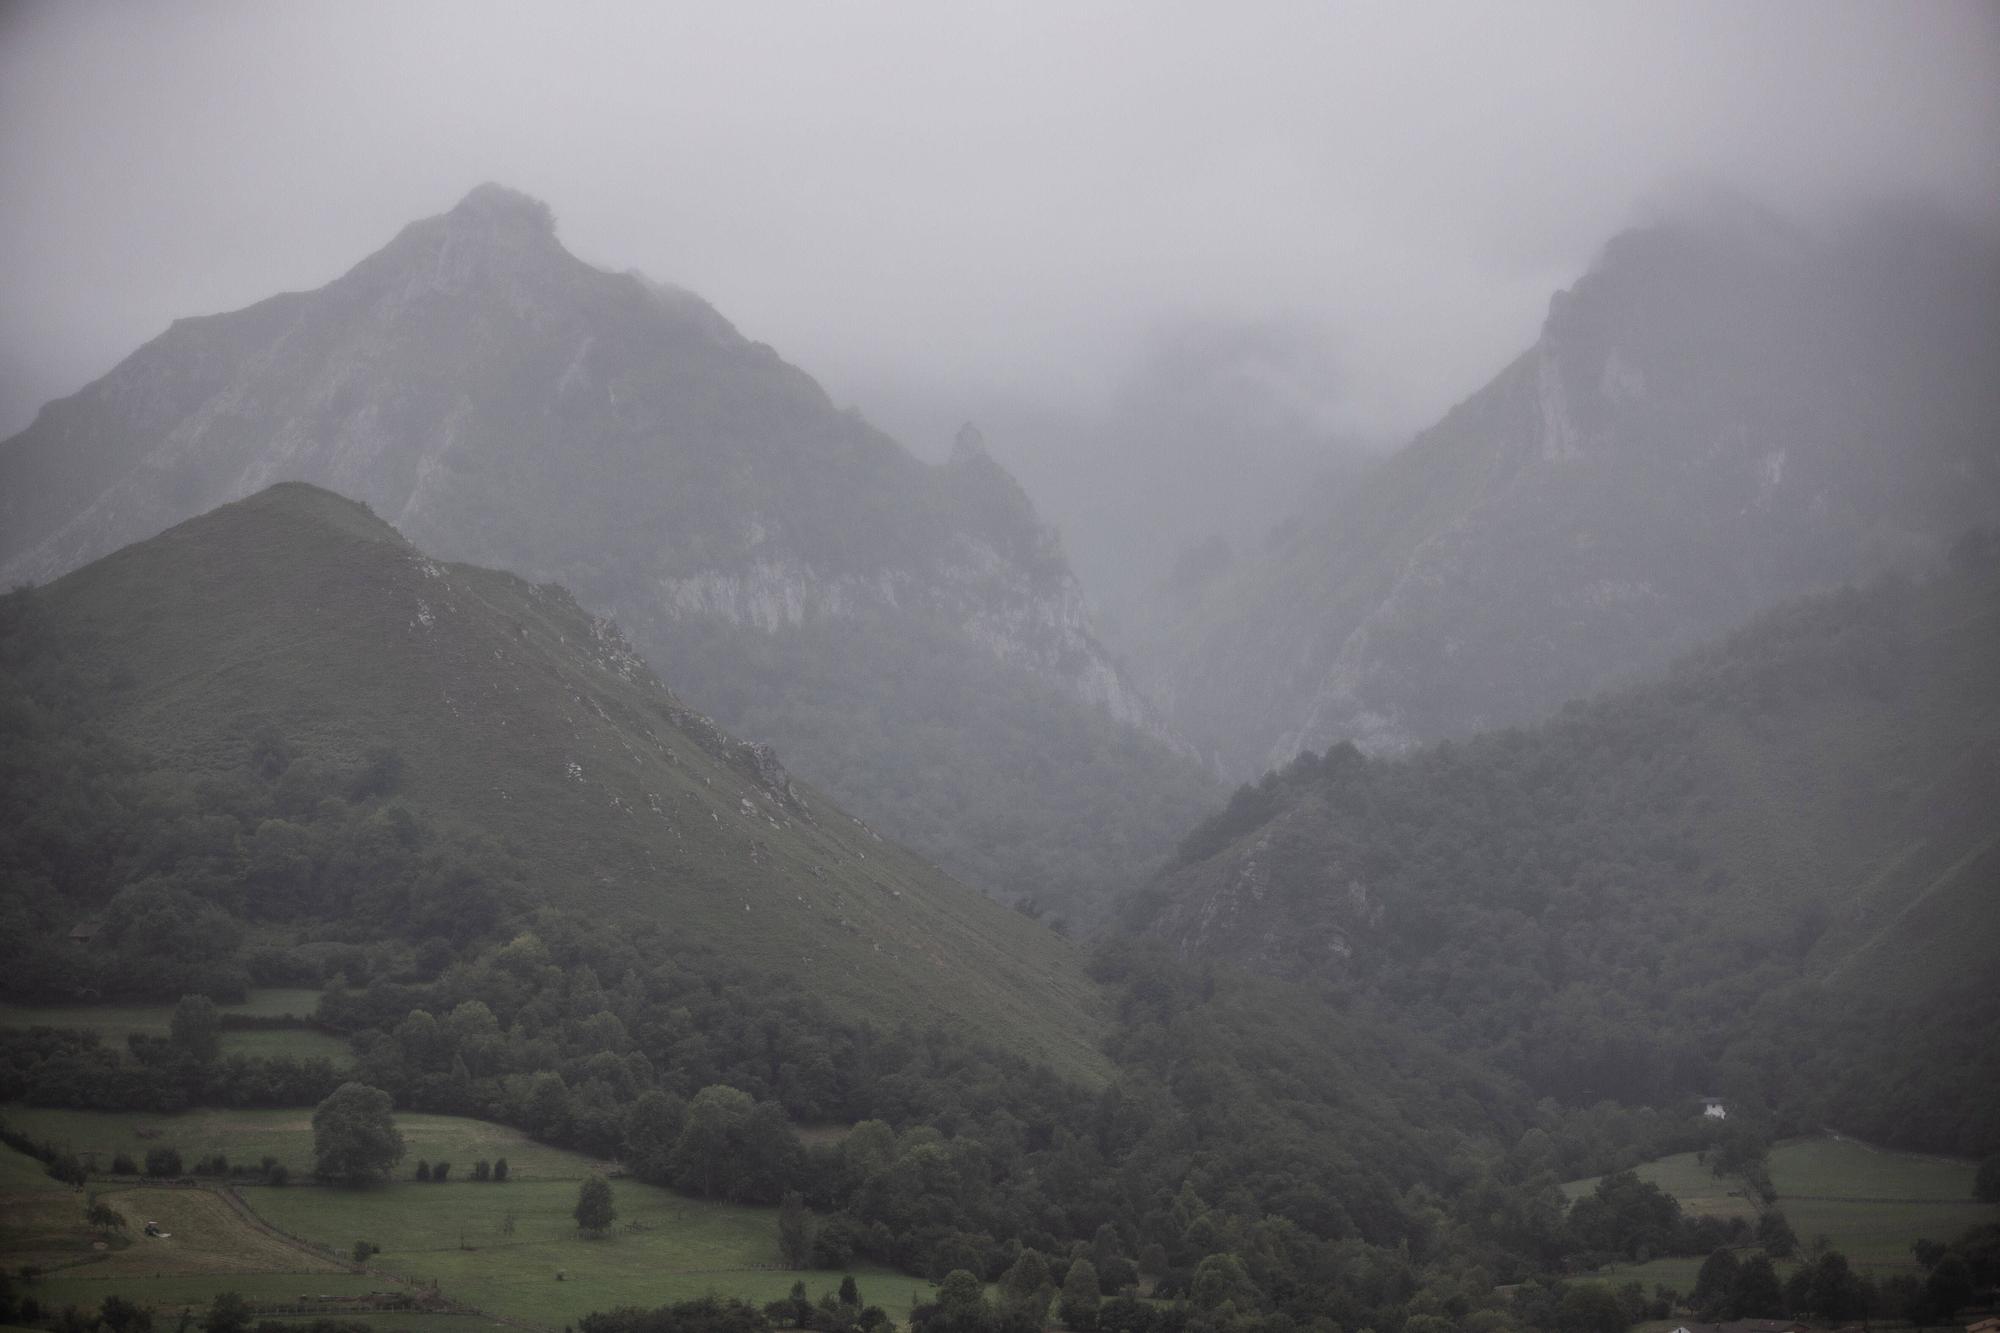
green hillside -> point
(1769, 875)
(292, 651)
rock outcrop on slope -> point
(1719, 415)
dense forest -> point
(1766, 876)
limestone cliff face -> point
(499, 400)
(1714, 418)
(790, 568)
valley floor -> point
(467, 1254)
(485, 1252)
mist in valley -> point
(1132, 669)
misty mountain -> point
(1215, 432)
(1722, 413)
(1771, 873)
(285, 710)
(906, 632)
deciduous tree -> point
(355, 1138)
(594, 1210)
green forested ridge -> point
(283, 722)
(1768, 876)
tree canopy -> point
(355, 1138)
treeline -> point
(62, 1067)
(1827, 1289)
(1337, 1167)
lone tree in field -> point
(354, 1137)
(795, 1231)
(197, 1028)
(228, 1313)
(594, 1212)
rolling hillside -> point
(294, 646)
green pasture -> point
(114, 1022)
(408, 1321)
(1674, 1274)
(19, 1172)
(174, 1291)
(247, 1136)
(1701, 1193)
(499, 1247)
(502, 1246)
(1832, 1165)
(1871, 1204)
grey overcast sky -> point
(988, 199)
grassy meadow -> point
(497, 1247)
(502, 1246)
(1869, 1203)
(249, 1135)
(114, 1022)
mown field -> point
(509, 1249)
(1869, 1203)
(114, 1022)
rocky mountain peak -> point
(494, 235)
(499, 210)
(969, 443)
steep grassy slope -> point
(297, 621)
(1771, 873)
(502, 402)
(1721, 414)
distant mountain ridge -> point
(1722, 413)
(504, 403)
